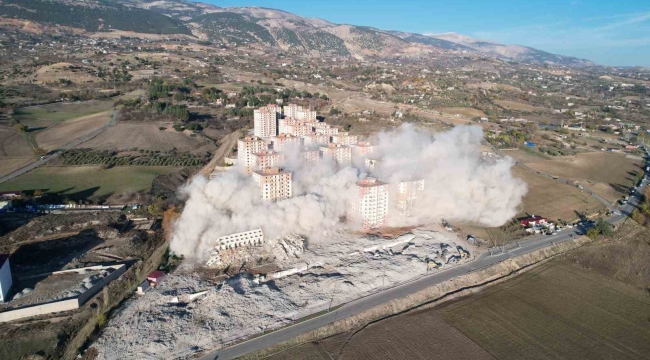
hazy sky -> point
(606, 32)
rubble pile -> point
(330, 274)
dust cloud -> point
(459, 186)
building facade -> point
(265, 120)
(408, 193)
(362, 149)
(267, 158)
(310, 155)
(274, 183)
(344, 138)
(370, 204)
(246, 238)
(341, 154)
(246, 147)
(315, 139)
(284, 141)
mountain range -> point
(270, 28)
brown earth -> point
(513, 105)
(148, 136)
(58, 135)
(608, 174)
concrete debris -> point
(160, 323)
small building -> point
(5, 277)
(533, 221)
(155, 277)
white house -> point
(5, 277)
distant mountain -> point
(92, 16)
(263, 27)
(512, 52)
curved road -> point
(493, 256)
(56, 153)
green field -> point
(88, 181)
(39, 117)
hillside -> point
(92, 16)
(264, 27)
(512, 52)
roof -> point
(156, 274)
(3, 258)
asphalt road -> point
(56, 153)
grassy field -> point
(88, 181)
(60, 134)
(608, 174)
(13, 144)
(38, 117)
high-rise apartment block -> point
(297, 112)
(326, 130)
(362, 149)
(265, 120)
(337, 152)
(294, 127)
(310, 155)
(370, 204)
(408, 193)
(284, 141)
(344, 138)
(267, 159)
(371, 164)
(274, 183)
(246, 147)
(315, 139)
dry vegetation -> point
(554, 200)
(608, 174)
(58, 135)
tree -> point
(592, 233)
(20, 128)
(603, 227)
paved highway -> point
(493, 256)
(54, 154)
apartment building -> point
(246, 147)
(267, 159)
(337, 152)
(242, 239)
(265, 121)
(408, 193)
(299, 113)
(315, 139)
(370, 203)
(344, 138)
(294, 127)
(371, 164)
(362, 149)
(310, 155)
(283, 141)
(274, 183)
(326, 130)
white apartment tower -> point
(265, 120)
(344, 138)
(246, 147)
(362, 149)
(408, 193)
(274, 183)
(339, 153)
(267, 159)
(370, 204)
(284, 141)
